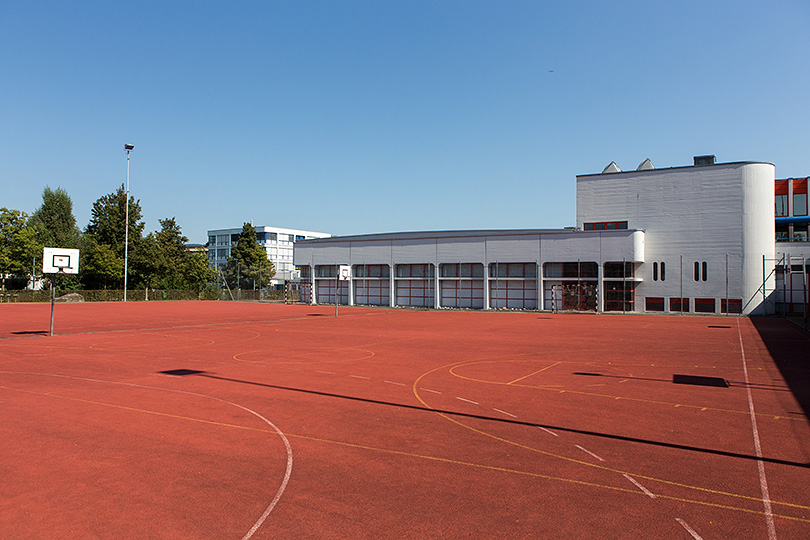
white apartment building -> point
(277, 242)
(694, 239)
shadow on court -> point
(789, 346)
(197, 373)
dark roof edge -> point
(651, 171)
(454, 234)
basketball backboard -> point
(60, 261)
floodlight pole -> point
(128, 148)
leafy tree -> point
(248, 263)
(146, 264)
(54, 220)
(108, 219)
(162, 261)
(18, 246)
(100, 265)
(197, 273)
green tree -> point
(100, 266)
(108, 219)
(197, 273)
(248, 263)
(146, 264)
(18, 246)
(54, 220)
(173, 254)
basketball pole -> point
(53, 296)
(53, 301)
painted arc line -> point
(639, 486)
(589, 452)
(763, 482)
(689, 529)
(287, 472)
(467, 400)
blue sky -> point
(359, 117)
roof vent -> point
(611, 168)
(702, 161)
(645, 165)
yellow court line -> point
(439, 459)
(580, 462)
(530, 374)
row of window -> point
(604, 225)
(799, 207)
(574, 270)
(702, 305)
(261, 237)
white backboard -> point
(60, 261)
(345, 272)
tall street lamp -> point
(128, 148)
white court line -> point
(429, 390)
(360, 377)
(396, 383)
(689, 529)
(548, 431)
(504, 412)
(639, 486)
(763, 483)
(325, 372)
(287, 473)
(468, 400)
(589, 452)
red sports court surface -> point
(230, 420)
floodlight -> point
(128, 146)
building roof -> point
(453, 234)
(646, 171)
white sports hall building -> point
(693, 239)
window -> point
(415, 270)
(568, 270)
(663, 271)
(701, 271)
(372, 270)
(654, 303)
(781, 193)
(734, 305)
(326, 271)
(604, 225)
(679, 304)
(261, 237)
(234, 238)
(212, 240)
(781, 206)
(298, 237)
(516, 270)
(800, 232)
(619, 270)
(800, 197)
(272, 236)
(655, 271)
(704, 305)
